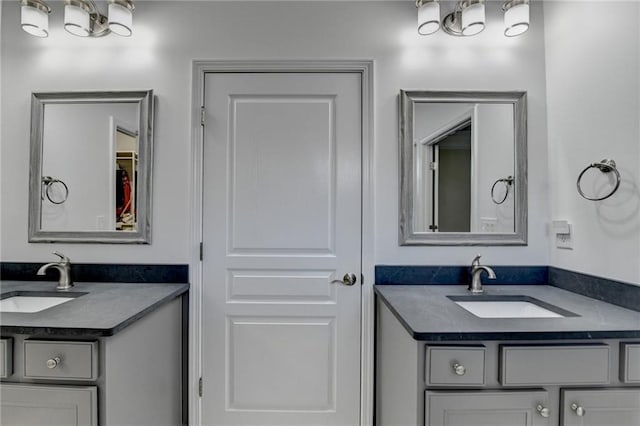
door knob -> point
(348, 279)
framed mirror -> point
(90, 167)
(463, 168)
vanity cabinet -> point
(503, 382)
(41, 405)
(495, 408)
(132, 377)
(6, 357)
(598, 407)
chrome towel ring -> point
(508, 181)
(48, 182)
(605, 166)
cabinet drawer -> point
(554, 365)
(455, 365)
(630, 362)
(6, 357)
(44, 359)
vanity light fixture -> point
(121, 17)
(81, 18)
(428, 16)
(34, 17)
(516, 17)
(469, 18)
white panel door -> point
(282, 220)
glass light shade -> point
(516, 20)
(120, 19)
(35, 21)
(428, 18)
(76, 20)
(473, 19)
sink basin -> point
(487, 306)
(30, 302)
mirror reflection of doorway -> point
(452, 182)
(126, 171)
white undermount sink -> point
(484, 306)
(31, 304)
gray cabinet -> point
(598, 407)
(630, 362)
(493, 383)
(40, 405)
(566, 365)
(131, 378)
(455, 365)
(486, 408)
(6, 357)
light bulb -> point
(34, 19)
(76, 20)
(120, 19)
(516, 20)
(428, 17)
(473, 18)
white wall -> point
(170, 34)
(593, 81)
(496, 157)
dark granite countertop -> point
(427, 314)
(105, 309)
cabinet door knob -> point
(577, 409)
(544, 411)
(53, 362)
(459, 369)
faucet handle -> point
(63, 258)
(476, 260)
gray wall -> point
(169, 35)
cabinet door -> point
(486, 408)
(611, 407)
(37, 405)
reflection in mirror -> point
(462, 153)
(90, 167)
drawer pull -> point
(53, 362)
(544, 411)
(459, 369)
(577, 409)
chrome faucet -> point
(63, 267)
(476, 271)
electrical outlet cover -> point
(564, 241)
